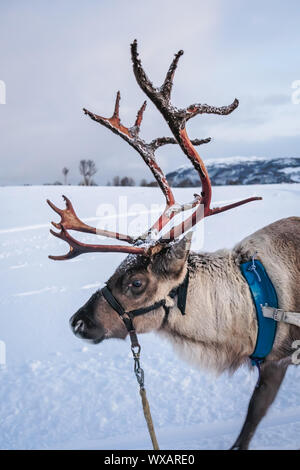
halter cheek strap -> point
(127, 317)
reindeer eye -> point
(137, 283)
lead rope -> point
(139, 373)
(127, 318)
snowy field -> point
(57, 392)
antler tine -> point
(168, 83)
(149, 88)
(195, 109)
(160, 141)
(139, 116)
(55, 208)
(117, 106)
(70, 221)
(199, 214)
(77, 248)
(113, 123)
(69, 218)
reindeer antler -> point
(176, 119)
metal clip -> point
(139, 373)
(136, 353)
(253, 268)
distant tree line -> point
(129, 181)
(87, 169)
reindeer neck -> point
(218, 330)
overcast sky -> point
(60, 56)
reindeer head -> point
(139, 281)
(153, 268)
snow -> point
(291, 170)
(294, 172)
(58, 392)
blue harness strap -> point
(263, 292)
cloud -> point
(61, 56)
(277, 99)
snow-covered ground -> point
(57, 392)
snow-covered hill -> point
(240, 170)
(57, 392)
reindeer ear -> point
(170, 261)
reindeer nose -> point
(84, 324)
(77, 323)
(79, 326)
(81, 322)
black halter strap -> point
(127, 317)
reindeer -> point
(218, 330)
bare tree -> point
(65, 172)
(87, 169)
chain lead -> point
(139, 373)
